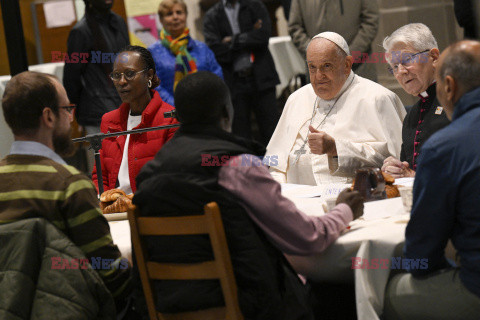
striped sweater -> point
(35, 186)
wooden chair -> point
(220, 268)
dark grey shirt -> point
(232, 15)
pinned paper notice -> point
(59, 13)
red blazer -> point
(141, 148)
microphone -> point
(170, 114)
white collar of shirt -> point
(35, 149)
(424, 94)
(133, 121)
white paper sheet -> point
(383, 209)
(59, 13)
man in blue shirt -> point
(446, 203)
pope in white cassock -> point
(337, 123)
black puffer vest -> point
(176, 183)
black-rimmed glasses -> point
(405, 59)
(129, 75)
(69, 108)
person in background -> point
(238, 31)
(412, 54)
(176, 54)
(36, 182)
(356, 21)
(466, 12)
(336, 124)
(259, 222)
(446, 202)
(88, 84)
(122, 157)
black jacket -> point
(431, 123)
(216, 27)
(465, 11)
(88, 84)
(175, 183)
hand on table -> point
(321, 143)
(354, 200)
(397, 168)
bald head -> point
(457, 72)
(461, 60)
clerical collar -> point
(344, 87)
(425, 94)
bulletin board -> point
(51, 35)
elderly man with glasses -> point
(412, 53)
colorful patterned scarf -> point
(184, 62)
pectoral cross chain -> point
(299, 152)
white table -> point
(288, 60)
(120, 231)
(374, 236)
(379, 234)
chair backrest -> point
(220, 268)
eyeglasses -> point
(324, 68)
(69, 108)
(129, 75)
(406, 60)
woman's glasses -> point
(406, 60)
(129, 75)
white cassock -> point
(365, 121)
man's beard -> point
(63, 144)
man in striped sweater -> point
(36, 182)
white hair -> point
(416, 35)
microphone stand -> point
(96, 144)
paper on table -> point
(291, 186)
(333, 190)
(383, 208)
(310, 206)
(300, 190)
(59, 13)
(307, 191)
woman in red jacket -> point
(122, 157)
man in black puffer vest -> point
(199, 165)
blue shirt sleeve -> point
(165, 95)
(433, 212)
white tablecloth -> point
(120, 231)
(379, 234)
(288, 60)
(374, 236)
